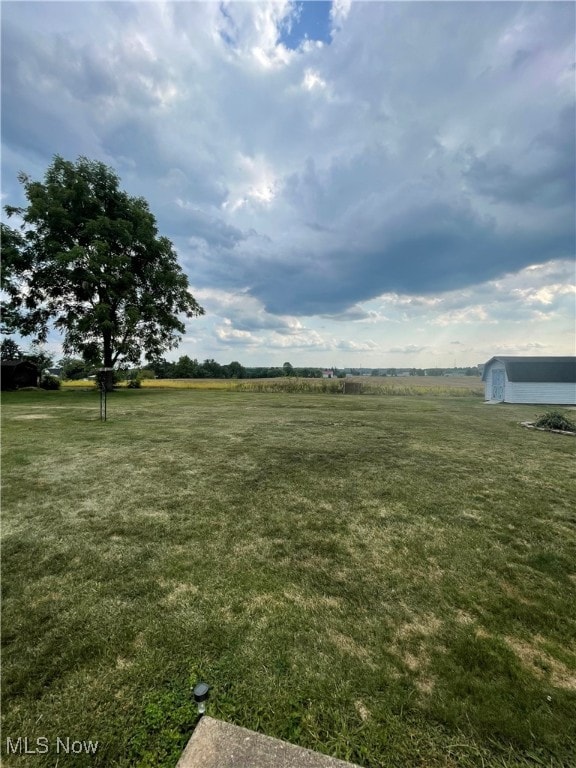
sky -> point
(375, 184)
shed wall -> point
(542, 392)
(24, 374)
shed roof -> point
(15, 363)
(536, 369)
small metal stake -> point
(102, 401)
(102, 380)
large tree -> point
(12, 242)
(9, 350)
(88, 259)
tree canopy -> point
(88, 259)
(9, 350)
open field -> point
(451, 386)
(390, 580)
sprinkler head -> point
(201, 693)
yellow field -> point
(226, 384)
(370, 385)
(78, 384)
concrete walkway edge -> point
(216, 744)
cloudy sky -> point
(375, 183)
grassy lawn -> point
(390, 580)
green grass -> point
(387, 580)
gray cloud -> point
(410, 349)
(544, 174)
(428, 148)
(214, 231)
(429, 250)
(352, 314)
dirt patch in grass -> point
(542, 664)
(29, 416)
(179, 592)
(412, 644)
(513, 592)
(315, 602)
(425, 685)
(425, 625)
(415, 663)
(362, 710)
(349, 645)
(50, 407)
(462, 617)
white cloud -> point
(230, 335)
(365, 195)
(358, 346)
(474, 314)
(256, 183)
(251, 30)
(546, 294)
(339, 12)
(301, 339)
(244, 311)
(515, 349)
(312, 80)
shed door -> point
(498, 384)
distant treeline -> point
(186, 368)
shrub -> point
(555, 420)
(50, 382)
(135, 383)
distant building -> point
(328, 373)
(19, 373)
(550, 380)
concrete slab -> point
(215, 744)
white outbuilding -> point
(550, 380)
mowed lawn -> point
(389, 580)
